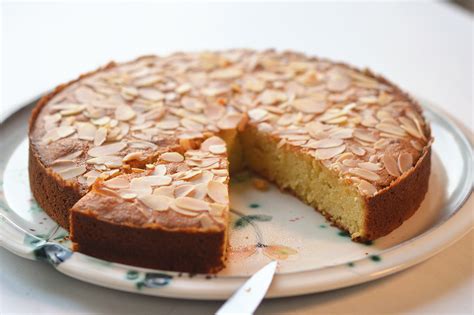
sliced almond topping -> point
(127, 194)
(132, 157)
(326, 143)
(172, 157)
(390, 165)
(257, 114)
(160, 170)
(101, 121)
(325, 154)
(183, 190)
(365, 174)
(151, 94)
(218, 149)
(124, 113)
(370, 166)
(62, 165)
(72, 172)
(365, 135)
(108, 160)
(270, 97)
(309, 105)
(119, 182)
(192, 204)
(210, 142)
(226, 73)
(65, 131)
(230, 121)
(183, 211)
(167, 191)
(367, 188)
(108, 149)
(391, 129)
(218, 192)
(342, 133)
(405, 162)
(156, 202)
(100, 136)
(86, 131)
(69, 157)
(216, 210)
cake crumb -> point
(260, 184)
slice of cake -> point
(173, 215)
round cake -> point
(134, 158)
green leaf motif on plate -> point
(245, 220)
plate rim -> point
(329, 277)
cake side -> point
(148, 247)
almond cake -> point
(134, 158)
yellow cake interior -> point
(300, 174)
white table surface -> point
(425, 47)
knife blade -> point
(247, 298)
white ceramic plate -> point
(312, 255)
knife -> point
(247, 298)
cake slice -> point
(172, 216)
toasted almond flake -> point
(62, 165)
(133, 156)
(148, 80)
(101, 121)
(173, 157)
(72, 172)
(156, 202)
(270, 97)
(159, 170)
(350, 163)
(124, 113)
(390, 165)
(217, 149)
(182, 211)
(370, 166)
(65, 131)
(254, 85)
(226, 73)
(183, 190)
(72, 110)
(367, 188)
(107, 160)
(119, 182)
(127, 194)
(357, 150)
(338, 81)
(325, 143)
(86, 131)
(168, 124)
(183, 88)
(230, 121)
(210, 142)
(365, 174)
(287, 119)
(216, 209)
(257, 114)
(68, 157)
(100, 136)
(405, 162)
(192, 204)
(218, 192)
(324, 154)
(365, 135)
(167, 191)
(309, 105)
(108, 149)
(151, 94)
(391, 129)
(342, 133)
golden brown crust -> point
(387, 210)
(148, 247)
